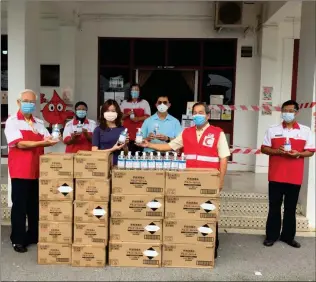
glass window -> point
(149, 52)
(184, 53)
(114, 51)
(220, 53)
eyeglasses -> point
(289, 111)
(162, 102)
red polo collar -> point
(75, 121)
(295, 125)
(22, 117)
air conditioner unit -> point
(229, 14)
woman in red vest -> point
(204, 146)
(135, 111)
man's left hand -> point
(135, 119)
(293, 154)
(161, 137)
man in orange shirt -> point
(26, 136)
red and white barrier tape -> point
(255, 108)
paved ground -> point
(241, 256)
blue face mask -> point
(199, 119)
(27, 108)
(288, 117)
(81, 113)
(135, 94)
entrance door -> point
(179, 85)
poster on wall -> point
(267, 93)
(119, 97)
(216, 114)
(266, 111)
(226, 114)
(116, 82)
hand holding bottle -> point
(117, 147)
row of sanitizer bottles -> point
(148, 161)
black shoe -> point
(19, 248)
(268, 243)
(28, 243)
(292, 243)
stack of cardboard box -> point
(91, 171)
(56, 190)
(137, 210)
(191, 211)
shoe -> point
(28, 243)
(215, 256)
(292, 243)
(19, 248)
(268, 243)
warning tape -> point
(255, 108)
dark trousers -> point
(277, 191)
(217, 240)
(25, 204)
(133, 147)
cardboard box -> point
(95, 190)
(189, 232)
(90, 234)
(194, 183)
(89, 164)
(57, 165)
(88, 256)
(52, 253)
(188, 255)
(56, 189)
(136, 230)
(137, 206)
(55, 232)
(138, 182)
(91, 212)
(55, 211)
(195, 208)
(134, 254)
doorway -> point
(178, 85)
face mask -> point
(288, 117)
(110, 116)
(27, 108)
(135, 94)
(81, 113)
(162, 108)
(199, 119)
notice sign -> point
(116, 82)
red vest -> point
(203, 154)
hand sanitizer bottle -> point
(121, 161)
(139, 136)
(79, 127)
(55, 132)
(136, 161)
(156, 130)
(129, 161)
(175, 162)
(159, 162)
(132, 115)
(122, 137)
(143, 161)
(151, 162)
(182, 162)
(167, 162)
(287, 145)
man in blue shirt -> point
(161, 127)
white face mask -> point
(162, 108)
(110, 116)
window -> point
(220, 53)
(50, 75)
(4, 62)
(114, 51)
(149, 52)
(184, 53)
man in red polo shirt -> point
(287, 144)
(26, 136)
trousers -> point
(25, 202)
(290, 193)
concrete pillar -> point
(268, 78)
(68, 59)
(306, 92)
(23, 55)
